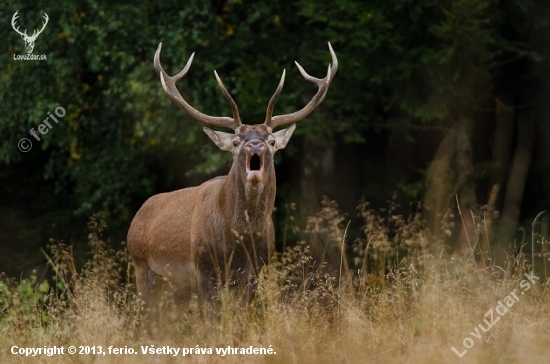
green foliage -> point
(118, 119)
(24, 301)
(423, 60)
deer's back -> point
(161, 233)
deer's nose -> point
(255, 146)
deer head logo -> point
(29, 40)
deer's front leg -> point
(147, 286)
(207, 287)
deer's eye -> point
(272, 143)
(235, 143)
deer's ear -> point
(224, 141)
(283, 136)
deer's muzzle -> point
(255, 161)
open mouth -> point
(254, 169)
(254, 164)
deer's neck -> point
(249, 206)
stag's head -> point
(253, 146)
(29, 40)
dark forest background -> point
(434, 102)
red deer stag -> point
(220, 232)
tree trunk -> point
(438, 182)
(317, 171)
(450, 175)
(502, 147)
(501, 151)
(465, 189)
(516, 186)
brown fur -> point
(220, 232)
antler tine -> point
(36, 32)
(322, 85)
(159, 69)
(271, 105)
(229, 99)
(169, 86)
(13, 20)
(44, 23)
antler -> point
(323, 85)
(34, 34)
(169, 85)
(43, 26)
(13, 20)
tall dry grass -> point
(399, 298)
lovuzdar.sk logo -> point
(29, 40)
